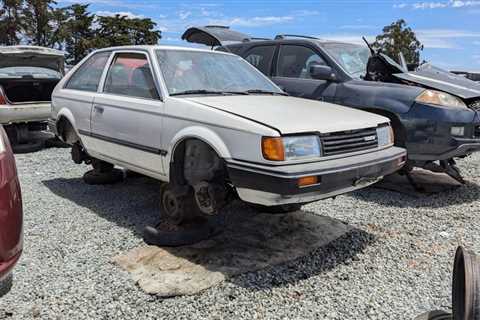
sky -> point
(449, 29)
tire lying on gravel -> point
(94, 177)
(32, 146)
(435, 315)
(284, 208)
(56, 143)
(6, 284)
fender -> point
(67, 114)
(201, 133)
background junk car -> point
(11, 214)
(28, 75)
(434, 113)
(208, 122)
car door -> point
(80, 90)
(127, 114)
(292, 73)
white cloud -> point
(460, 4)
(252, 22)
(429, 5)
(439, 4)
(122, 13)
(443, 38)
(184, 14)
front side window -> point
(295, 61)
(87, 77)
(187, 71)
(130, 75)
(261, 58)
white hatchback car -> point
(210, 125)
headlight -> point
(291, 148)
(385, 136)
(440, 99)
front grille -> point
(475, 105)
(477, 132)
(349, 141)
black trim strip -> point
(125, 143)
(277, 170)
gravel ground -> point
(396, 264)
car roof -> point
(160, 47)
(289, 41)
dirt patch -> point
(247, 245)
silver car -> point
(212, 126)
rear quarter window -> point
(261, 58)
(87, 77)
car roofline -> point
(159, 47)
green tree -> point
(120, 30)
(42, 22)
(397, 38)
(78, 32)
(10, 21)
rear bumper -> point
(267, 185)
(21, 113)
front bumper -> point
(28, 112)
(276, 185)
(428, 130)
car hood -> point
(443, 81)
(290, 115)
(32, 56)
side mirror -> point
(322, 72)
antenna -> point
(369, 46)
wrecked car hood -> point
(438, 79)
(291, 115)
(32, 56)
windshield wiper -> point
(265, 92)
(203, 91)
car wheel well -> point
(398, 128)
(66, 132)
(195, 160)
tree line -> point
(73, 28)
(77, 31)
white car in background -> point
(28, 75)
(209, 124)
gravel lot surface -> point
(396, 264)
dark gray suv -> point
(435, 114)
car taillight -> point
(3, 97)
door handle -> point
(98, 109)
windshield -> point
(353, 58)
(195, 71)
(35, 72)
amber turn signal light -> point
(272, 148)
(307, 181)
